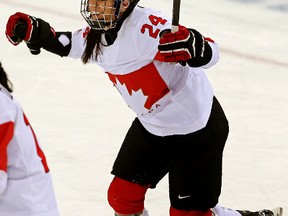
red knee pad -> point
(176, 212)
(126, 197)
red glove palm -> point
(183, 45)
(20, 27)
(34, 31)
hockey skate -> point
(265, 212)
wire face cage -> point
(101, 14)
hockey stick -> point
(175, 15)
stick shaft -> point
(175, 15)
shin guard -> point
(126, 197)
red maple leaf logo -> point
(147, 79)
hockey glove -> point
(181, 46)
(34, 31)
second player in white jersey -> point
(25, 181)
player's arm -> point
(187, 46)
(6, 134)
(37, 34)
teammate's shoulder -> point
(8, 108)
(4, 93)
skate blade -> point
(278, 211)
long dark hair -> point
(93, 41)
(4, 80)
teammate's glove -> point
(181, 46)
(34, 31)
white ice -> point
(81, 119)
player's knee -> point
(126, 197)
(177, 212)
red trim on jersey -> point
(176, 212)
(86, 32)
(6, 134)
(209, 39)
(39, 150)
(147, 79)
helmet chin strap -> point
(117, 5)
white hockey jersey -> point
(167, 98)
(25, 183)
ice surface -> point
(81, 120)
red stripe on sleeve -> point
(210, 40)
(6, 134)
(39, 150)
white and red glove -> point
(34, 31)
(181, 46)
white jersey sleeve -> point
(8, 115)
(215, 55)
(7, 120)
(3, 181)
(78, 43)
(25, 181)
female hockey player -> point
(180, 129)
(25, 182)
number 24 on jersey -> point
(151, 28)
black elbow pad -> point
(60, 44)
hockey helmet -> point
(104, 14)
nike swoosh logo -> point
(183, 197)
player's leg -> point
(126, 198)
(195, 174)
(140, 164)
